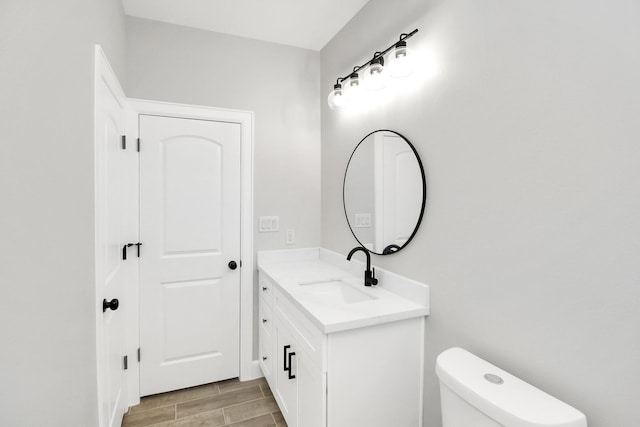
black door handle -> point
(113, 304)
(124, 250)
(128, 245)
(233, 265)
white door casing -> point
(249, 368)
(115, 225)
(190, 228)
(110, 408)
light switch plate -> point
(363, 221)
(291, 236)
(268, 224)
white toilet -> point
(475, 393)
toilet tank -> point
(476, 393)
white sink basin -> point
(337, 290)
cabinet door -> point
(286, 388)
(311, 393)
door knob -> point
(233, 265)
(113, 304)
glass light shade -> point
(336, 97)
(353, 88)
(400, 61)
(375, 76)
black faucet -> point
(369, 275)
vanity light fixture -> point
(375, 75)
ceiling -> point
(308, 24)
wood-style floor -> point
(225, 403)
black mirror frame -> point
(424, 193)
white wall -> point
(529, 135)
(47, 319)
(360, 193)
(280, 84)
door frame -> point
(249, 369)
(104, 75)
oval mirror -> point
(384, 192)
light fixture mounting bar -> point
(403, 36)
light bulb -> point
(400, 61)
(336, 97)
(354, 88)
(375, 76)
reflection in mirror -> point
(384, 192)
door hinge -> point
(138, 354)
(125, 362)
(138, 145)
(124, 142)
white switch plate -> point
(291, 236)
(363, 221)
(268, 224)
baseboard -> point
(256, 372)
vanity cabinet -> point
(290, 359)
(368, 376)
(298, 383)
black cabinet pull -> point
(233, 265)
(284, 359)
(287, 358)
(291, 376)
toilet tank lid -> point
(512, 402)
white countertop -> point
(395, 297)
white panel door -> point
(116, 224)
(190, 231)
(397, 207)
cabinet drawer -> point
(265, 318)
(311, 340)
(265, 288)
(266, 356)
